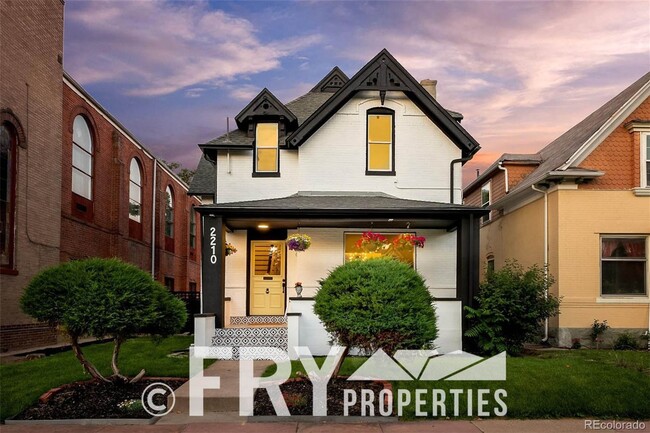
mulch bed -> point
(298, 396)
(95, 400)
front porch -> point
(261, 275)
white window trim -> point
(644, 137)
(627, 297)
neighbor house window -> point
(489, 265)
(82, 159)
(192, 239)
(8, 142)
(169, 213)
(486, 192)
(266, 148)
(192, 228)
(169, 283)
(135, 191)
(380, 142)
(645, 154)
(355, 250)
(624, 266)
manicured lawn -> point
(582, 383)
(22, 383)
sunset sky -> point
(520, 72)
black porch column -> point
(213, 267)
(468, 262)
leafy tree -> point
(100, 297)
(376, 304)
(512, 306)
(184, 173)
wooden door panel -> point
(267, 278)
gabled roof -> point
(564, 152)
(264, 104)
(333, 81)
(383, 73)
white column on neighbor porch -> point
(204, 325)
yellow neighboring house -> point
(580, 206)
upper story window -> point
(380, 142)
(624, 265)
(267, 159)
(135, 191)
(169, 213)
(192, 232)
(486, 192)
(82, 159)
(8, 142)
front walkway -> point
(487, 426)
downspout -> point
(545, 192)
(505, 170)
(451, 175)
(153, 221)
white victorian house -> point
(375, 152)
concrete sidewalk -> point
(484, 426)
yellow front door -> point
(267, 278)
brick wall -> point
(618, 155)
(106, 233)
(31, 37)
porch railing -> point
(192, 302)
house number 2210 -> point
(213, 245)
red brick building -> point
(74, 183)
(107, 210)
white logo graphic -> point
(406, 365)
(159, 408)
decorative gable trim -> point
(332, 82)
(608, 127)
(264, 106)
(383, 73)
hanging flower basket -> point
(230, 249)
(298, 242)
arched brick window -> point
(82, 169)
(8, 144)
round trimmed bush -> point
(377, 304)
(102, 297)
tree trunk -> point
(88, 366)
(116, 354)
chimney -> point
(430, 86)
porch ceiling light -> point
(262, 226)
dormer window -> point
(267, 161)
(380, 142)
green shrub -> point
(377, 303)
(626, 341)
(512, 307)
(597, 330)
(102, 297)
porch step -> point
(257, 320)
(256, 338)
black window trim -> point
(384, 111)
(265, 173)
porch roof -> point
(342, 209)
